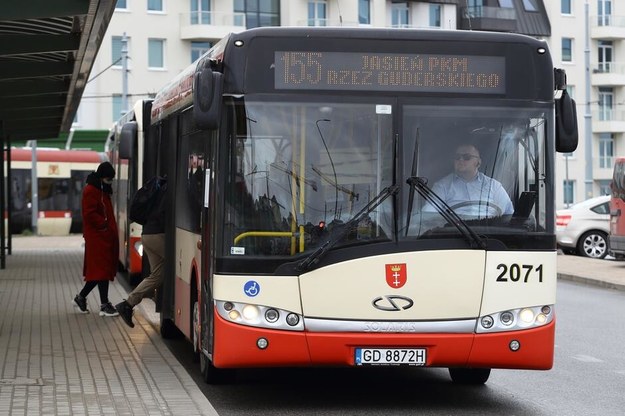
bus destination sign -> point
(389, 72)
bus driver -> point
(470, 192)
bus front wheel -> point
(212, 374)
(469, 375)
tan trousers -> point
(154, 247)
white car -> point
(584, 227)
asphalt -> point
(56, 361)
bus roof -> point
(178, 93)
(56, 155)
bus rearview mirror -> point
(127, 140)
(207, 90)
(566, 124)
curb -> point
(591, 282)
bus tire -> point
(212, 374)
(169, 330)
(472, 376)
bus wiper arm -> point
(420, 184)
(315, 256)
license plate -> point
(390, 356)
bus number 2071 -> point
(519, 272)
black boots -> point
(125, 311)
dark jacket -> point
(156, 218)
(99, 231)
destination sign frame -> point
(365, 71)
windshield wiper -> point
(315, 256)
(420, 184)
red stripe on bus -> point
(55, 214)
(76, 156)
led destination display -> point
(389, 72)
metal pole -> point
(566, 166)
(124, 76)
(587, 116)
(34, 188)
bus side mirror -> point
(127, 140)
(207, 91)
(566, 124)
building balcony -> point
(210, 26)
(608, 121)
(326, 23)
(496, 19)
(608, 74)
(607, 27)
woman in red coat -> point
(100, 234)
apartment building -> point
(588, 37)
(164, 36)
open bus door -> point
(617, 211)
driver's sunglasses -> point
(466, 156)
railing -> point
(213, 19)
(608, 67)
(326, 23)
(480, 12)
(608, 20)
(608, 114)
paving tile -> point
(56, 361)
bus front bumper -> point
(238, 346)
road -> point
(588, 377)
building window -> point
(117, 106)
(570, 89)
(121, 5)
(435, 15)
(569, 192)
(155, 5)
(198, 49)
(604, 50)
(567, 50)
(399, 15)
(530, 5)
(364, 12)
(116, 51)
(605, 189)
(606, 150)
(259, 13)
(156, 57)
(506, 4)
(200, 12)
(606, 103)
(604, 12)
(565, 6)
(317, 13)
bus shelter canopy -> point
(47, 50)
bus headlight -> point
(259, 316)
(516, 319)
(527, 316)
(250, 312)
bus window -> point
(305, 164)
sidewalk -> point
(604, 273)
(56, 361)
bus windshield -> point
(301, 171)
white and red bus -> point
(616, 238)
(61, 176)
(299, 162)
(137, 166)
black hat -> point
(106, 170)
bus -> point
(616, 239)
(299, 163)
(131, 174)
(61, 176)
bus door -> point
(617, 210)
(193, 165)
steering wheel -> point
(487, 204)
